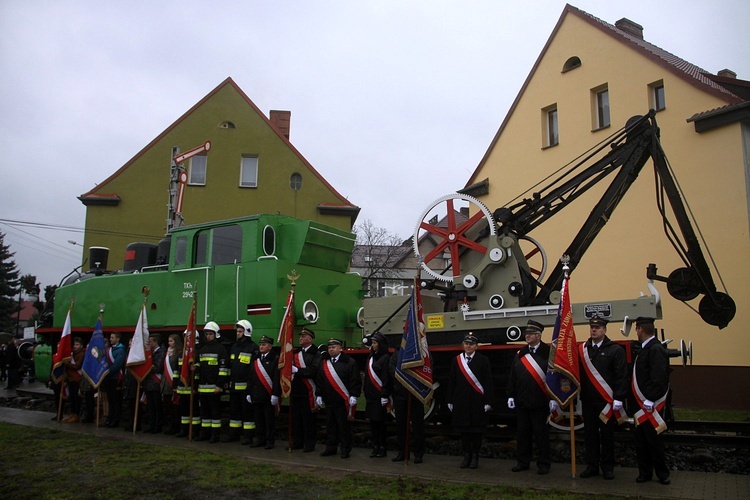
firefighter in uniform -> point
(469, 398)
(604, 386)
(305, 370)
(212, 367)
(241, 412)
(264, 391)
(527, 393)
(650, 386)
(377, 390)
(339, 385)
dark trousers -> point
(338, 429)
(241, 413)
(649, 451)
(532, 425)
(74, 398)
(114, 402)
(416, 434)
(154, 411)
(304, 432)
(265, 422)
(599, 438)
(210, 411)
(185, 409)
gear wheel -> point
(453, 236)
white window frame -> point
(198, 163)
(601, 111)
(551, 126)
(653, 96)
(247, 162)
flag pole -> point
(565, 260)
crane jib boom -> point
(631, 148)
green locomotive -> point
(238, 269)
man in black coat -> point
(377, 390)
(528, 395)
(470, 396)
(305, 372)
(339, 386)
(650, 387)
(604, 386)
(152, 385)
(264, 391)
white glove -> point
(249, 399)
(274, 400)
(383, 401)
(511, 403)
(450, 406)
(294, 369)
(617, 405)
(319, 402)
(552, 405)
(648, 406)
(487, 408)
(352, 401)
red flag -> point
(286, 334)
(139, 356)
(188, 353)
(64, 351)
(563, 376)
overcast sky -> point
(393, 102)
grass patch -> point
(711, 415)
(43, 463)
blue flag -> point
(95, 364)
(414, 366)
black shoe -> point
(520, 468)
(327, 453)
(398, 458)
(665, 481)
(589, 472)
(642, 479)
(258, 444)
(608, 474)
(418, 459)
(474, 461)
(542, 471)
(466, 461)
(375, 452)
(268, 446)
(344, 454)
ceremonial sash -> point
(338, 386)
(653, 416)
(377, 382)
(111, 360)
(535, 371)
(602, 387)
(473, 381)
(265, 380)
(168, 371)
(309, 383)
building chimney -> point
(281, 120)
(727, 73)
(630, 27)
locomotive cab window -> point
(226, 245)
(223, 244)
(269, 240)
(180, 253)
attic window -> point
(227, 125)
(571, 63)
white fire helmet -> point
(243, 323)
(212, 326)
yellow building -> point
(251, 167)
(589, 79)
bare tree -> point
(378, 254)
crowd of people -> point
(331, 382)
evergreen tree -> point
(9, 287)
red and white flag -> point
(286, 356)
(139, 356)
